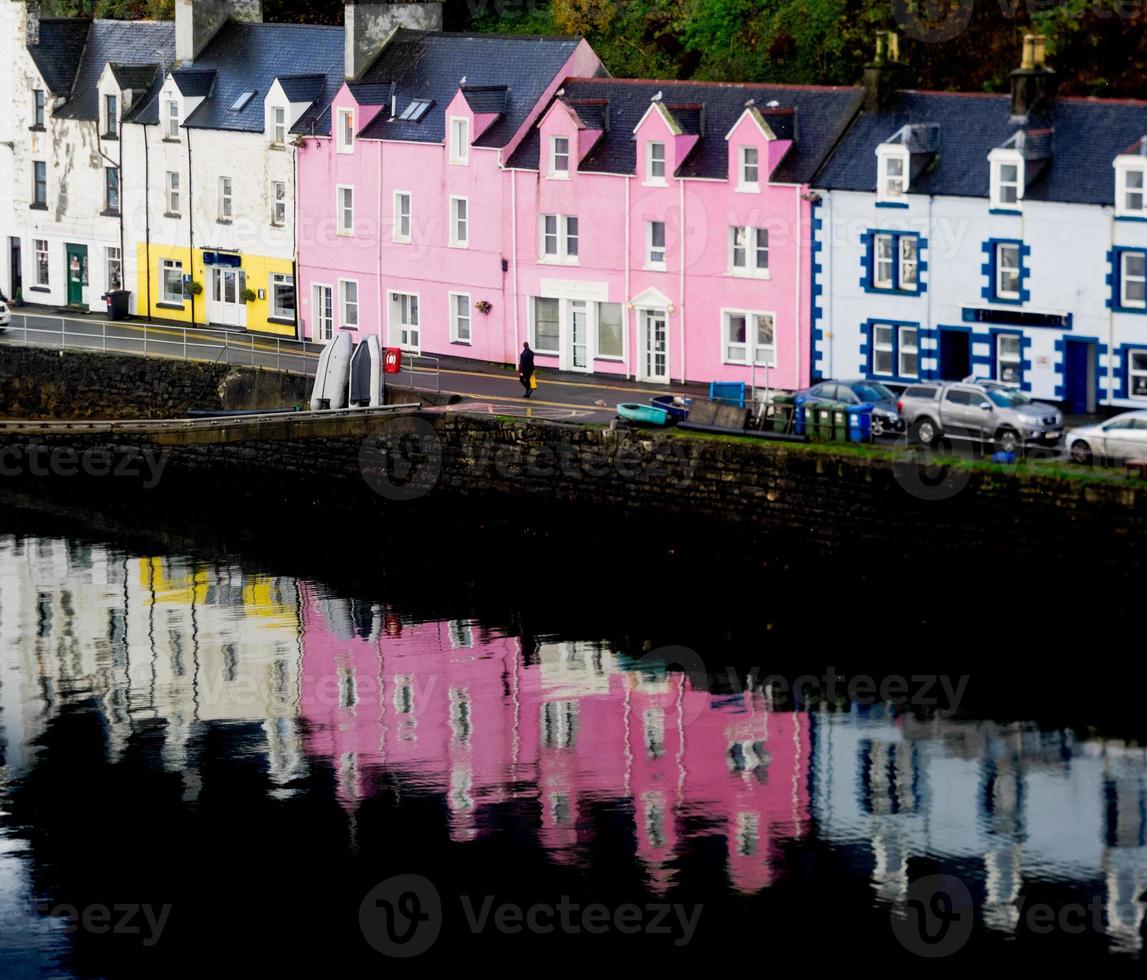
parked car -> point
(1119, 438)
(979, 411)
(844, 394)
(5, 316)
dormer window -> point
(278, 125)
(891, 173)
(459, 139)
(1131, 187)
(655, 163)
(560, 156)
(344, 130)
(111, 116)
(1007, 180)
(750, 169)
(171, 120)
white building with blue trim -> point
(1000, 236)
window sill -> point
(655, 183)
(349, 328)
(345, 234)
(171, 306)
(1014, 212)
(1131, 217)
(462, 245)
(37, 207)
(550, 260)
(223, 221)
(461, 343)
(1129, 309)
(459, 163)
(609, 357)
(284, 320)
(748, 189)
(280, 147)
(278, 224)
(171, 139)
(892, 204)
(742, 274)
(655, 267)
(171, 214)
(109, 214)
(558, 175)
(109, 136)
(39, 289)
(401, 241)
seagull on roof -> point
(656, 98)
(463, 82)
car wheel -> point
(1081, 452)
(1008, 440)
(926, 432)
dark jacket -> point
(526, 363)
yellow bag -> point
(533, 380)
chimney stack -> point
(198, 21)
(32, 22)
(882, 75)
(1033, 82)
(368, 26)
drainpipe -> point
(829, 233)
(191, 230)
(1112, 353)
(681, 277)
(800, 202)
(628, 292)
(119, 174)
(378, 231)
(514, 249)
(295, 237)
(928, 303)
(146, 218)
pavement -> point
(483, 387)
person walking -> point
(526, 370)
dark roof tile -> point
(58, 54)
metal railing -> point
(419, 367)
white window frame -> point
(458, 134)
(1125, 166)
(278, 125)
(344, 130)
(110, 114)
(348, 308)
(891, 187)
(554, 351)
(1125, 277)
(280, 279)
(651, 263)
(41, 202)
(751, 250)
(226, 199)
(1016, 360)
(165, 266)
(459, 221)
(559, 172)
(908, 262)
(394, 326)
(743, 166)
(108, 171)
(566, 236)
(598, 355)
(457, 317)
(43, 263)
(278, 203)
(1000, 292)
(652, 179)
(1133, 373)
(113, 261)
(1000, 198)
(752, 348)
(343, 227)
(902, 348)
(173, 193)
(398, 233)
(884, 347)
(171, 115)
(880, 280)
(39, 108)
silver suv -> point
(981, 411)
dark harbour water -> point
(236, 743)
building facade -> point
(995, 236)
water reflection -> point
(453, 711)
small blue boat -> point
(677, 406)
(643, 414)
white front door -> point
(324, 326)
(654, 364)
(224, 297)
(404, 323)
(578, 336)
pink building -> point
(478, 192)
(448, 711)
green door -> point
(77, 273)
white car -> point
(5, 316)
(1123, 437)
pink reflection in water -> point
(445, 709)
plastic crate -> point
(728, 392)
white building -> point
(1000, 236)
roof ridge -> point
(493, 34)
(711, 84)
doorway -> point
(577, 353)
(955, 354)
(324, 312)
(225, 296)
(654, 357)
(1079, 363)
(16, 269)
(77, 265)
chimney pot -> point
(32, 22)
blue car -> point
(886, 419)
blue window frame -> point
(1007, 271)
(1127, 279)
(891, 350)
(893, 262)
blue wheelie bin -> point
(860, 423)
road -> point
(484, 387)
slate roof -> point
(431, 65)
(486, 99)
(371, 93)
(302, 88)
(249, 57)
(194, 84)
(1086, 136)
(122, 42)
(58, 54)
(821, 114)
(137, 78)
